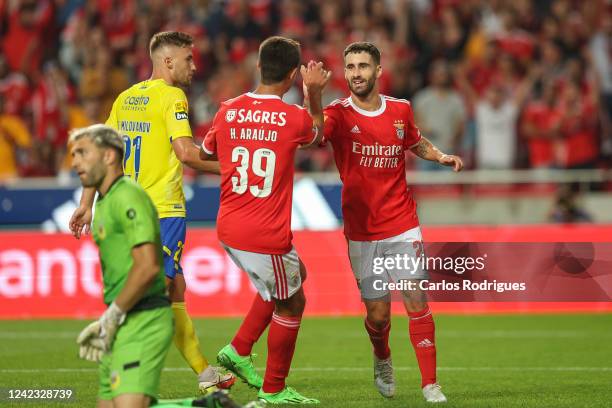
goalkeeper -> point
(132, 338)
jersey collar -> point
(156, 80)
(379, 111)
(262, 96)
(113, 184)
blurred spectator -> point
(439, 112)
(496, 115)
(102, 46)
(27, 36)
(552, 60)
(481, 64)
(600, 48)
(513, 40)
(179, 20)
(578, 148)
(540, 126)
(102, 80)
(567, 208)
(14, 88)
(118, 19)
(3, 16)
(50, 116)
(74, 39)
(15, 139)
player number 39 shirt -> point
(255, 138)
(369, 148)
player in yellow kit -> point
(152, 117)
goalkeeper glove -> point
(101, 333)
(91, 353)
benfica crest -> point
(230, 115)
(399, 129)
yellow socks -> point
(185, 338)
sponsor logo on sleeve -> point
(180, 106)
(180, 110)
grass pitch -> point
(484, 361)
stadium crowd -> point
(505, 83)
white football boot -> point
(383, 377)
(213, 379)
(433, 393)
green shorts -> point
(137, 357)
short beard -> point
(368, 89)
(90, 182)
(185, 83)
(94, 178)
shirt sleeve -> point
(177, 114)
(330, 125)
(307, 132)
(413, 134)
(137, 217)
(112, 118)
(209, 145)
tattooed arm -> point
(426, 150)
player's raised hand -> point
(451, 161)
(80, 221)
(314, 77)
(303, 70)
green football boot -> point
(241, 366)
(286, 396)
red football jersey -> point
(543, 118)
(369, 149)
(255, 138)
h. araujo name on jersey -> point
(255, 116)
(377, 155)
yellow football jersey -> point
(150, 115)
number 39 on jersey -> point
(262, 164)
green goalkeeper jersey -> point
(125, 217)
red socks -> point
(282, 337)
(379, 339)
(253, 326)
(284, 331)
(422, 337)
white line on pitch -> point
(314, 369)
(42, 335)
